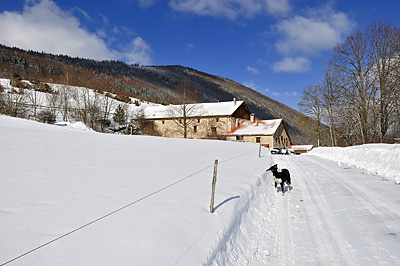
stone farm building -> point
(202, 120)
(270, 133)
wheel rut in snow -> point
(281, 252)
(338, 221)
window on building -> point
(198, 120)
(195, 129)
(258, 139)
(163, 122)
(216, 119)
(214, 130)
(239, 137)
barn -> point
(269, 133)
(197, 121)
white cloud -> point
(252, 70)
(304, 36)
(267, 91)
(231, 9)
(280, 94)
(43, 26)
(250, 84)
(137, 51)
(321, 30)
(278, 7)
(297, 64)
(293, 93)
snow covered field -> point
(57, 179)
(97, 199)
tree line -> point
(97, 109)
(358, 95)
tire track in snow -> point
(348, 223)
(282, 250)
(371, 205)
(377, 207)
(325, 246)
(331, 244)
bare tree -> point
(94, 110)
(87, 107)
(354, 62)
(107, 105)
(311, 104)
(384, 39)
(53, 100)
(79, 110)
(2, 101)
(65, 104)
(330, 92)
(143, 125)
(396, 126)
(35, 100)
(14, 102)
(185, 108)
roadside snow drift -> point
(380, 159)
(97, 199)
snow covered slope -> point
(380, 159)
(152, 196)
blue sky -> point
(276, 47)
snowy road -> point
(334, 215)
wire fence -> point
(122, 208)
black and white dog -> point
(281, 176)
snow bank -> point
(252, 226)
(80, 126)
(380, 159)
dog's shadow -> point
(287, 189)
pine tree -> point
(119, 115)
(132, 129)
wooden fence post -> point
(214, 181)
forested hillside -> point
(151, 83)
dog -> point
(281, 176)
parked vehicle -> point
(280, 151)
(276, 151)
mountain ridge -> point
(152, 83)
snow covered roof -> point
(302, 147)
(260, 127)
(198, 109)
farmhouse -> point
(197, 121)
(269, 133)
